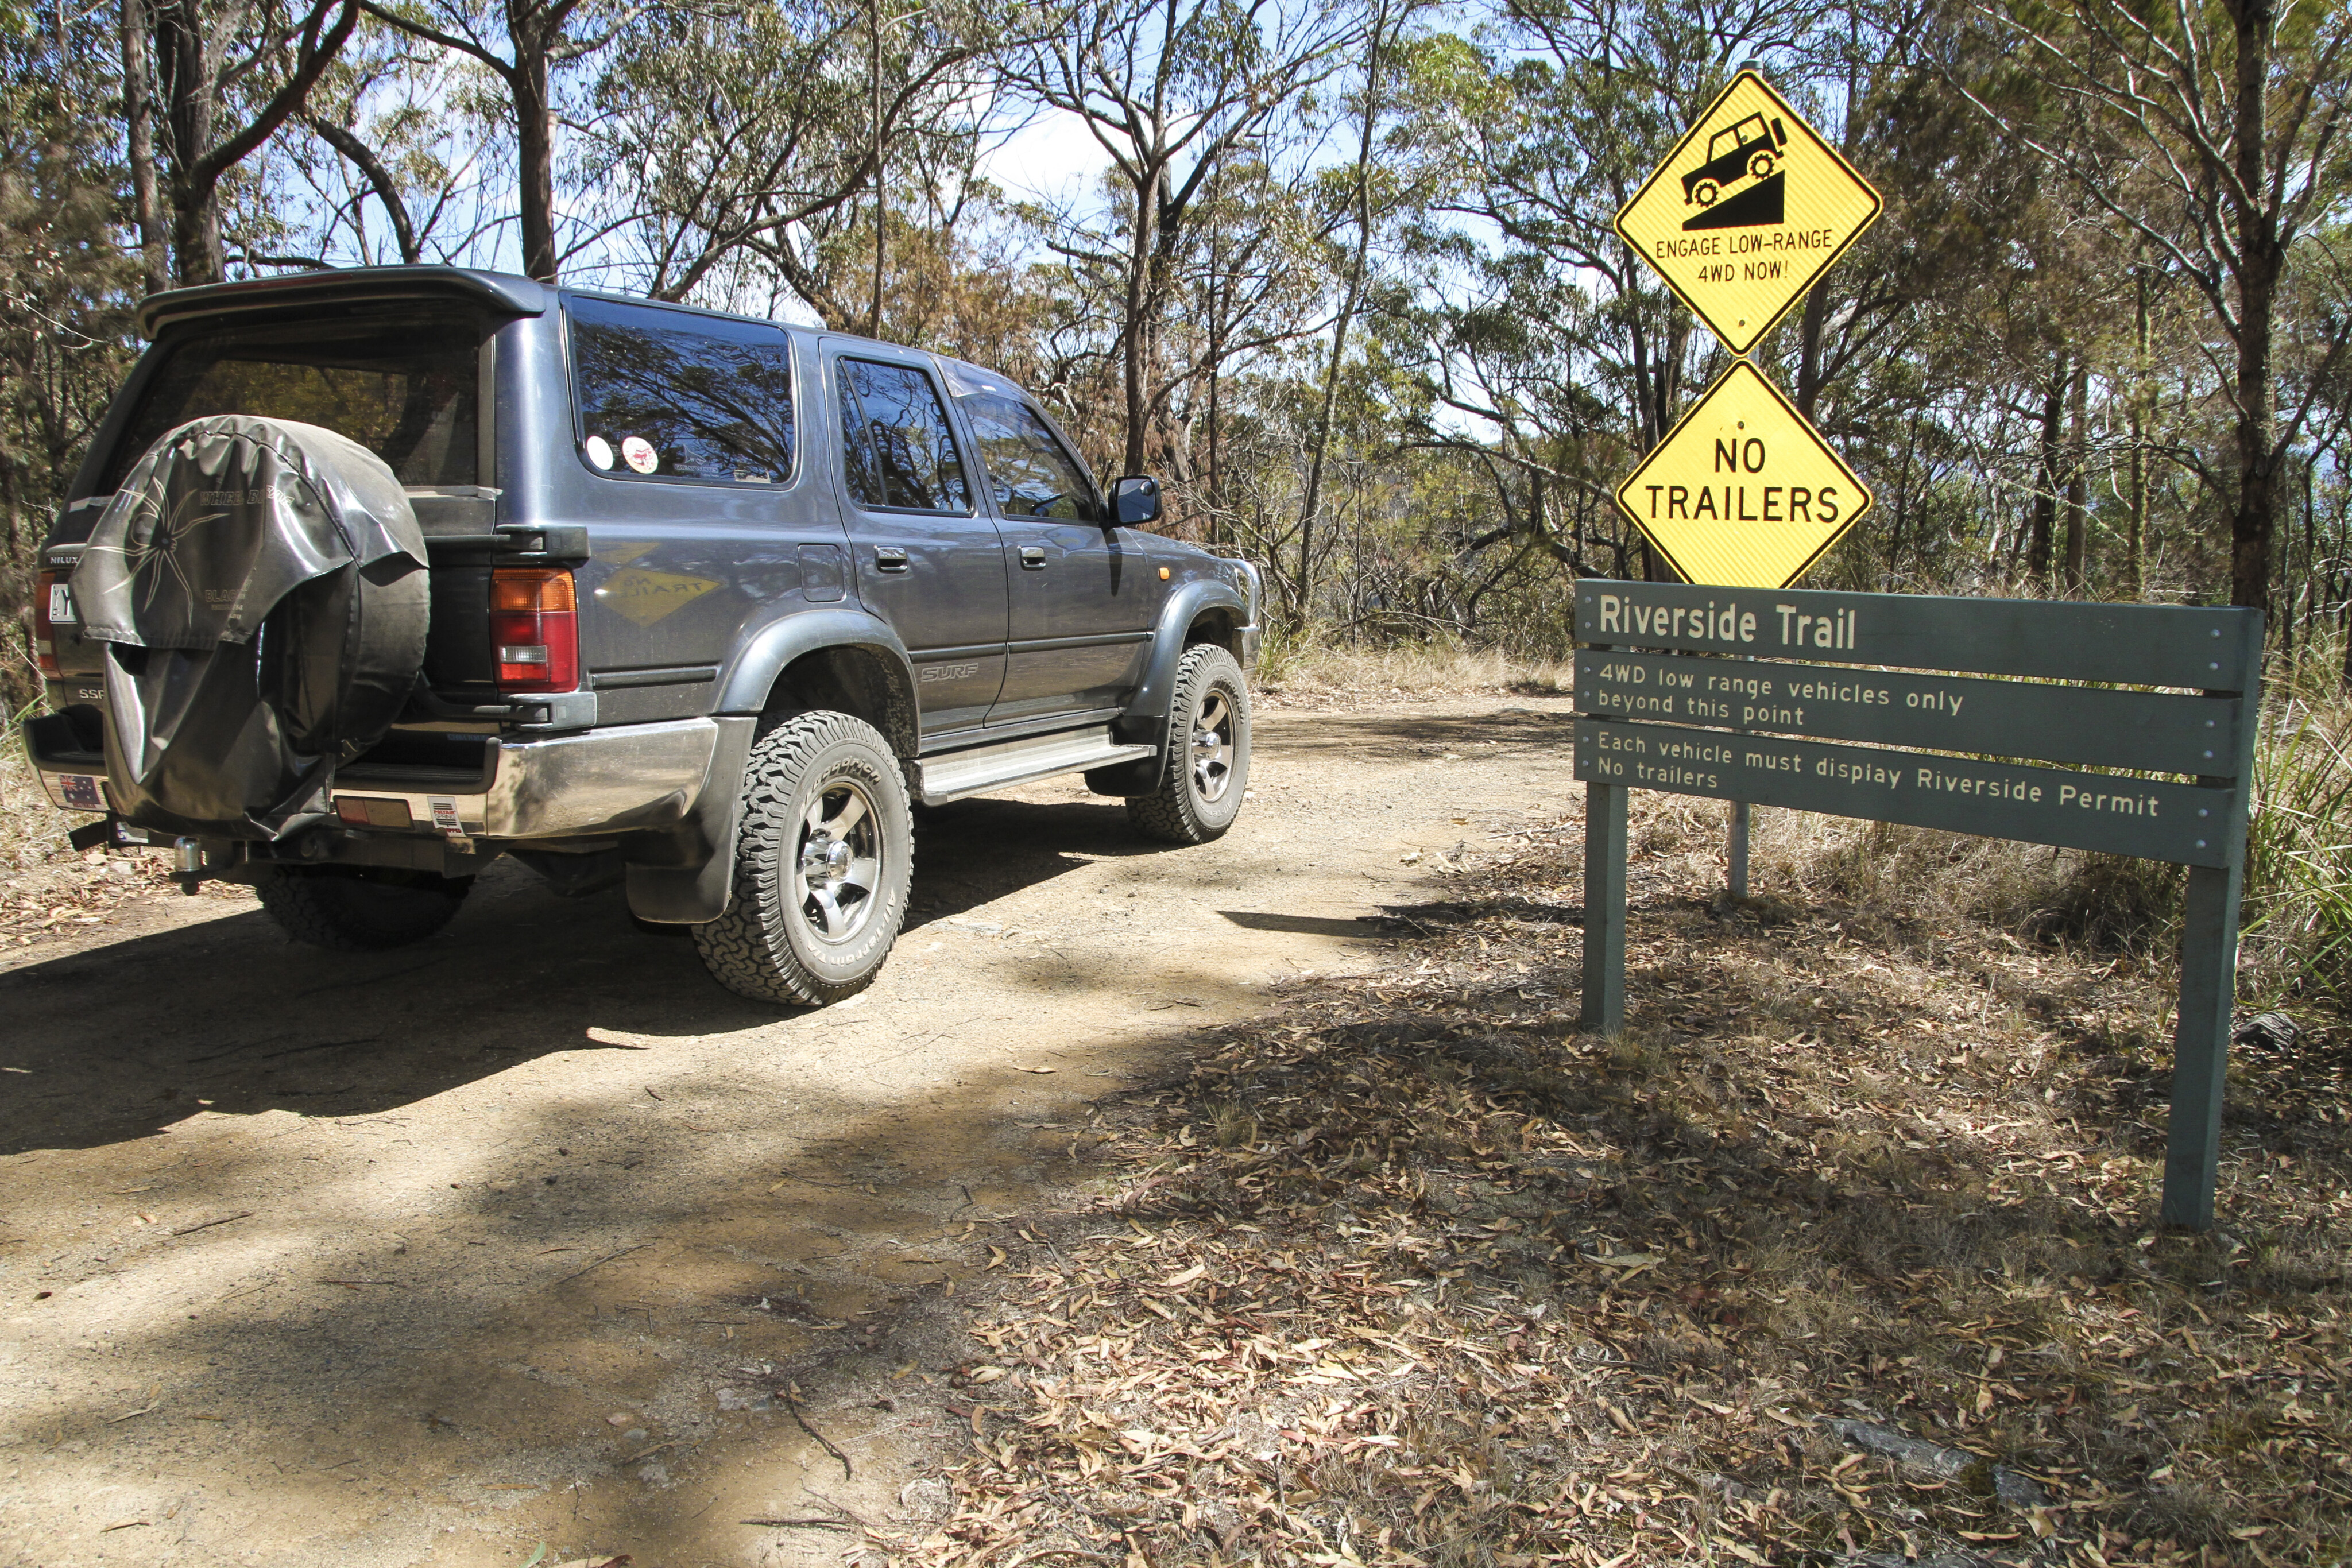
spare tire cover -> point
(262, 589)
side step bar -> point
(961, 773)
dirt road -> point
(509, 1237)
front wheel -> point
(353, 909)
(822, 865)
(1206, 771)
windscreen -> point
(405, 383)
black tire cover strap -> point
(262, 589)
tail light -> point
(52, 603)
(535, 629)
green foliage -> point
(64, 308)
(2299, 853)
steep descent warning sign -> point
(1743, 492)
(1746, 212)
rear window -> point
(667, 395)
(406, 385)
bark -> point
(881, 189)
(1810, 327)
(1139, 292)
(191, 73)
(535, 34)
(2078, 476)
(2045, 486)
(139, 115)
(1352, 299)
(2142, 394)
(2260, 260)
(531, 85)
(378, 178)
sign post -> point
(1746, 695)
(1746, 213)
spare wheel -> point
(262, 590)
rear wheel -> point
(1205, 769)
(355, 909)
(822, 865)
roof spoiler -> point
(516, 296)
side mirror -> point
(1134, 500)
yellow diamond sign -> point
(1743, 492)
(1746, 212)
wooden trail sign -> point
(1956, 751)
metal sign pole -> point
(1735, 839)
(1604, 907)
(2208, 978)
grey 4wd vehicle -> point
(371, 577)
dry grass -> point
(32, 831)
(1409, 1272)
(1325, 672)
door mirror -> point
(1134, 500)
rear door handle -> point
(1032, 558)
(890, 557)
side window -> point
(897, 448)
(666, 395)
(1032, 475)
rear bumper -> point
(623, 780)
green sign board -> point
(2093, 724)
(1749, 678)
(2128, 644)
(2113, 813)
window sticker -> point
(600, 451)
(639, 454)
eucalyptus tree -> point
(207, 83)
(746, 131)
(523, 44)
(2215, 141)
(1548, 342)
(1169, 90)
(67, 284)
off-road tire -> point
(353, 909)
(767, 947)
(1193, 804)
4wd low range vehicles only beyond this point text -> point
(371, 577)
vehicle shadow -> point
(120, 1041)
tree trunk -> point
(881, 192)
(1314, 497)
(183, 69)
(2260, 260)
(380, 180)
(2142, 394)
(2046, 488)
(2078, 476)
(534, 142)
(1139, 294)
(139, 115)
(1810, 325)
